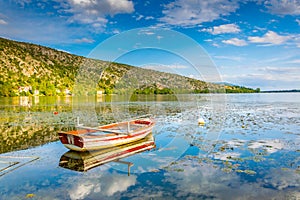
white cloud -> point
(110, 7)
(295, 62)
(149, 18)
(235, 42)
(270, 38)
(116, 31)
(139, 17)
(190, 12)
(297, 40)
(233, 58)
(291, 74)
(274, 60)
(3, 22)
(277, 70)
(283, 7)
(159, 37)
(94, 12)
(22, 2)
(146, 32)
(216, 45)
(52, 30)
(267, 78)
(84, 40)
(272, 21)
(225, 28)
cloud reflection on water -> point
(207, 181)
(99, 186)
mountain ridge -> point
(30, 69)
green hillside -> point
(29, 69)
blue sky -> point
(251, 43)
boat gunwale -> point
(86, 130)
(113, 135)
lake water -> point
(249, 148)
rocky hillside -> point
(29, 69)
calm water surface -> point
(249, 148)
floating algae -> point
(250, 172)
(247, 171)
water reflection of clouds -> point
(283, 179)
(271, 146)
(100, 186)
(207, 181)
(226, 155)
(233, 149)
(201, 180)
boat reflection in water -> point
(83, 161)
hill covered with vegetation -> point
(29, 69)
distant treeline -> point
(153, 89)
(280, 91)
(241, 89)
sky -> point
(250, 43)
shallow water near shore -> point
(249, 148)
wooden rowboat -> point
(83, 161)
(111, 135)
